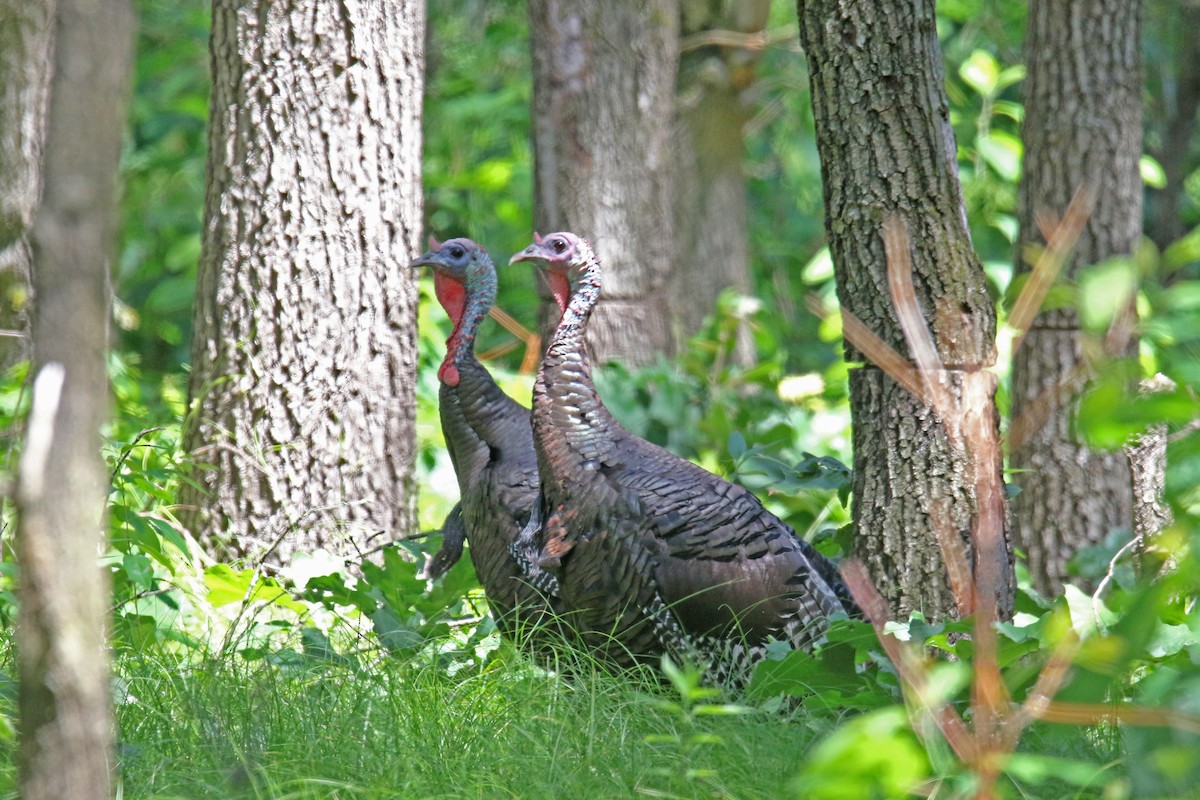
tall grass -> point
(400, 729)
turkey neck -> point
(467, 304)
(465, 383)
(567, 410)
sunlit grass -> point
(234, 728)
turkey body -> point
(653, 554)
(490, 442)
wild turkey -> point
(454, 536)
(490, 442)
(653, 554)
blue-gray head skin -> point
(464, 280)
(568, 263)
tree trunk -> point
(1083, 126)
(603, 107)
(712, 109)
(1147, 455)
(303, 365)
(25, 37)
(65, 709)
(886, 146)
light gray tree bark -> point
(714, 103)
(25, 37)
(1083, 126)
(65, 708)
(303, 365)
(886, 146)
(603, 109)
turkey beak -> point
(531, 253)
(428, 259)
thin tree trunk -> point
(712, 109)
(603, 107)
(303, 365)
(1083, 127)
(1147, 454)
(66, 714)
(25, 37)
(886, 146)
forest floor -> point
(403, 729)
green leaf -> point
(663, 738)
(819, 269)
(1111, 411)
(829, 676)
(1038, 769)
(494, 175)
(981, 72)
(1002, 152)
(1152, 172)
(1183, 295)
(1008, 76)
(315, 644)
(139, 571)
(165, 530)
(226, 586)
(1104, 290)
(1086, 612)
(335, 590)
(1006, 108)
(875, 755)
(1184, 251)
(395, 634)
(722, 709)
(737, 445)
(1171, 639)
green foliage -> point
(233, 682)
(478, 165)
(162, 174)
(844, 675)
(695, 747)
(874, 755)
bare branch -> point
(1096, 713)
(904, 297)
(1040, 697)
(743, 40)
(907, 662)
(533, 342)
(1062, 237)
(1128, 547)
(958, 570)
(881, 354)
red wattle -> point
(448, 373)
(560, 287)
(451, 294)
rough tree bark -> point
(304, 359)
(65, 709)
(712, 109)
(603, 108)
(1083, 127)
(25, 36)
(886, 146)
